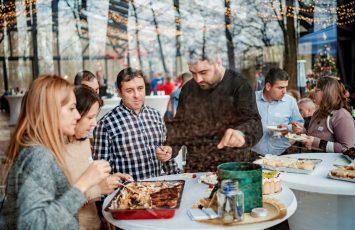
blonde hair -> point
(307, 101)
(39, 120)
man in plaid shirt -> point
(130, 136)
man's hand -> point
(232, 138)
(163, 153)
(284, 130)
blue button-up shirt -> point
(275, 113)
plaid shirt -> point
(128, 141)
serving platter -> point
(345, 173)
(316, 162)
(275, 210)
(340, 178)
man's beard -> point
(217, 77)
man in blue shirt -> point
(277, 109)
(174, 97)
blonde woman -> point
(39, 195)
(78, 155)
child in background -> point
(307, 107)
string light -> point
(117, 18)
(345, 13)
(9, 13)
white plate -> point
(275, 128)
(289, 170)
(340, 178)
(209, 178)
(295, 137)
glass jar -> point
(230, 202)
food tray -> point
(290, 170)
(145, 213)
(340, 178)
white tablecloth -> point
(323, 203)
(194, 191)
(15, 107)
(157, 102)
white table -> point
(323, 203)
(15, 107)
(159, 103)
(194, 191)
(111, 101)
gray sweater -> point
(39, 195)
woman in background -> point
(39, 195)
(331, 128)
(78, 155)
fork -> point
(124, 185)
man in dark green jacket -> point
(217, 117)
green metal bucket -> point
(249, 177)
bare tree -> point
(290, 40)
(178, 62)
(137, 34)
(229, 37)
(158, 38)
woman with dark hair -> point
(78, 155)
(331, 128)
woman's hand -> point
(94, 174)
(112, 182)
(297, 128)
(124, 176)
(308, 142)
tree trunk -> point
(178, 61)
(229, 37)
(290, 52)
(128, 57)
(137, 35)
(290, 44)
(158, 38)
